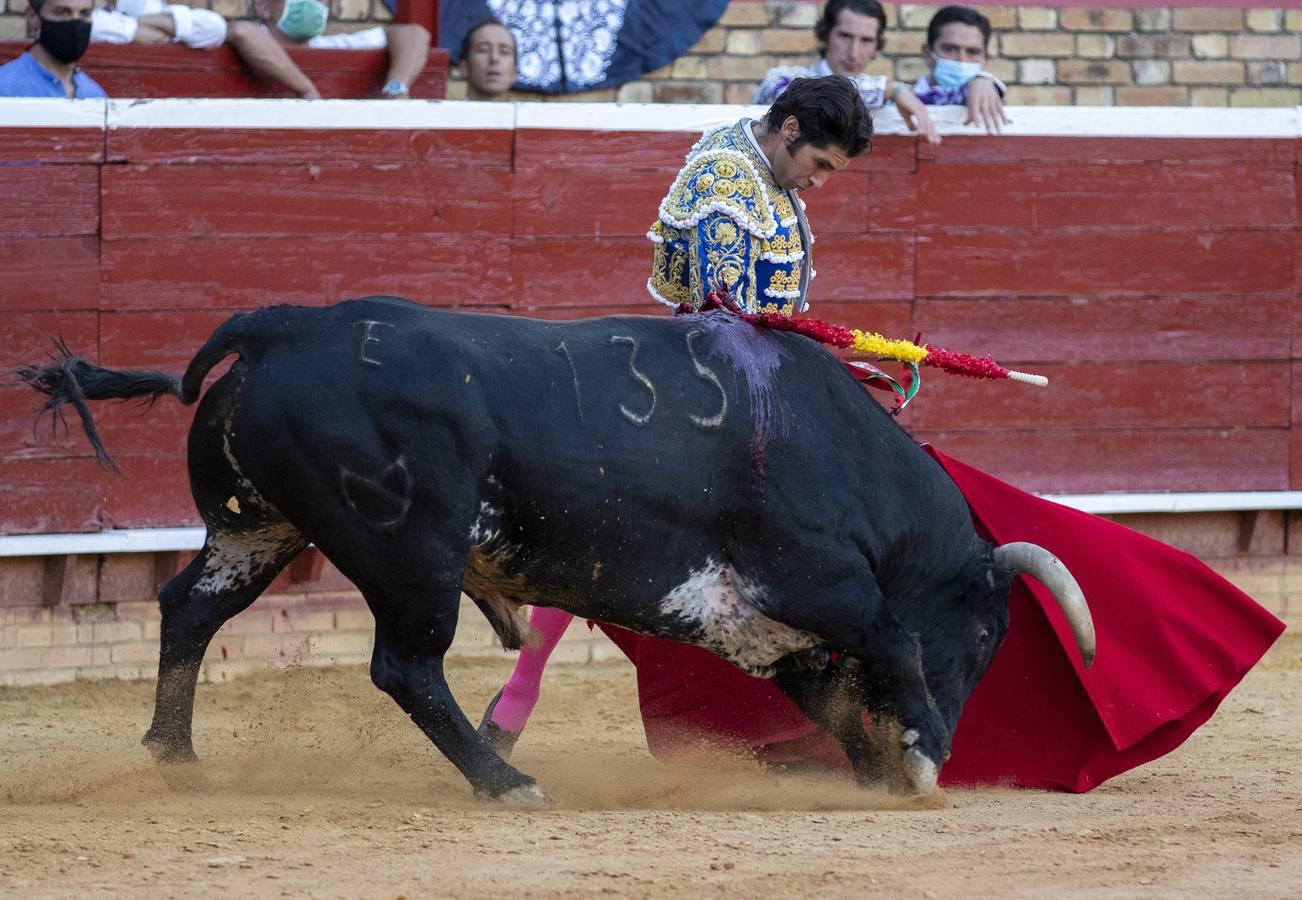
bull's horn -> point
(1040, 564)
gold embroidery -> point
(704, 182)
(725, 188)
(667, 278)
(785, 280)
(782, 208)
(725, 168)
(787, 244)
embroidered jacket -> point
(726, 222)
(872, 88)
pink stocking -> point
(521, 690)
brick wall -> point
(107, 626)
(1082, 56)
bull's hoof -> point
(167, 752)
(520, 795)
(921, 771)
(501, 740)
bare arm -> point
(985, 106)
(408, 50)
(914, 112)
(263, 54)
(155, 29)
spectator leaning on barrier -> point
(302, 23)
(153, 22)
(958, 39)
(48, 68)
(850, 33)
(488, 59)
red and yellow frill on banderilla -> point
(869, 343)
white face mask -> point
(303, 19)
(952, 73)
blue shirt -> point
(25, 77)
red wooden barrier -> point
(1156, 280)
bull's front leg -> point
(883, 675)
(414, 626)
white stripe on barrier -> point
(390, 115)
(1047, 121)
(161, 540)
(32, 112)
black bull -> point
(694, 478)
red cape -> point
(1173, 639)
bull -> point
(695, 478)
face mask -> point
(66, 41)
(303, 19)
(952, 73)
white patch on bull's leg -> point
(921, 771)
(719, 610)
(235, 558)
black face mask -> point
(66, 41)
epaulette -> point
(724, 181)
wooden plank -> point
(51, 146)
(49, 201)
(1057, 460)
(609, 273)
(1245, 152)
(863, 267)
(49, 273)
(465, 147)
(154, 493)
(609, 204)
(1106, 262)
(624, 151)
(49, 496)
(1153, 395)
(1115, 329)
(1122, 194)
(232, 273)
(198, 201)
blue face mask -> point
(303, 19)
(951, 73)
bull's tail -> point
(246, 335)
(71, 381)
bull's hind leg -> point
(230, 572)
(415, 619)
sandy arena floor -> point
(319, 787)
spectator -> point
(151, 22)
(488, 60)
(958, 39)
(48, 68)
(302, 23)
(850, 33)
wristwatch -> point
(395, 89)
